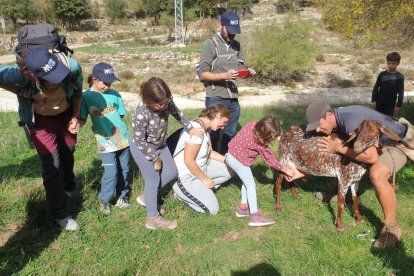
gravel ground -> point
(248, 97)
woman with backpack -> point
(49, 89)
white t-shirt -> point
(202, 156)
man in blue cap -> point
(49, 89)
(220, 60)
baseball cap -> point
(315, 111)
(230, 19)
(45, 66)
(104, 72)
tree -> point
(44, 10)
(154, 8)
(15, 10)
(115, 9)
(71, 12)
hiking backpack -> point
(43, 36)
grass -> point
(303, 242)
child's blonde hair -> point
(267, 130)
(154, 91)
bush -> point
(380, 23)
(282, 54)
(127, 75)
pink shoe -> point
(240, 213)
(257, 219)
(160, 222)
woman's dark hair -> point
(267, 130)
(214, 109)
(154, 91)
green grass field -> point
(303, 241)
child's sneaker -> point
(240, 213)
(122, 203)
(160, 222)
(68, 224)
(104, 208)
(257, 219)
(141, 201)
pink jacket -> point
(245, 148)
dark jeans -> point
(230, 129)
(385, 109)
(55, 146)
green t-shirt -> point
(106, 110)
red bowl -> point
(243, 73)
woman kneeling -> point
(201, 170)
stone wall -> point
(7, 42)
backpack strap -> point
(216, 48)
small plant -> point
(127, 74)
(320, 58)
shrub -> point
(282, 54)
(380, 23)
(127, 74)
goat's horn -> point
(352, 137)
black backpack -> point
(172, 141)
(43, 36)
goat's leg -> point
(357, 214)
(278, 187)
(293, 190)
(341, 202)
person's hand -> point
(196, 131)
(328, 144)
(397, 109)
(74, 125)
(374, 105)
(297, 174)
(231, 75)
(252, 71)
(288, 171)
(208, 182)
(158, 165)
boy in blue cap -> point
(220, 60)
(106, 109)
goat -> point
(300, 149)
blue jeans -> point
(230, 128)
(248, 190)
(115, 175)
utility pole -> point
(179, 22)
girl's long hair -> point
(267, 130)
(154, 91)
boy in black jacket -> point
(388, 87)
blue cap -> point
(104, 72)
(231, 21)
(46, 66)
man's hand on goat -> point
(328, 144)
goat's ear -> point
(391, 134)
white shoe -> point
(122, 203)
(68, 224)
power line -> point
(179, 22)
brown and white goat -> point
(300, 149)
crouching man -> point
(384, 163)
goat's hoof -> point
(278, 209)
(340, 227)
